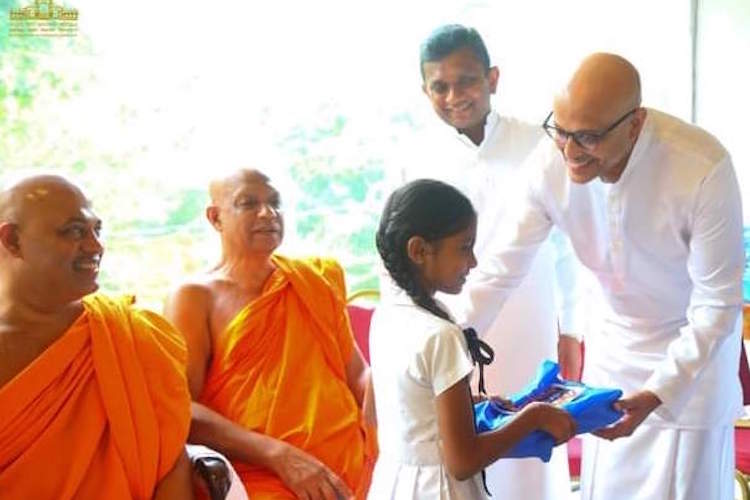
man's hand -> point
(569, 357)
(306, 476)
(636, 407)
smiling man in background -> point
(481, 153)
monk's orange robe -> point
(103, 412)
(279, 369)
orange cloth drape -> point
(104, 412)
(280, 369)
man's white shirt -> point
(665, 244)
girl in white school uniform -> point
(422, 361)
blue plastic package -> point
(590, 407)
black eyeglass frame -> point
(597, 136)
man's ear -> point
(212, 214)
(9, 238)
(636, 124)
(493, 76)
(416, 249)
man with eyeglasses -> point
(652, 207)
(480, 152)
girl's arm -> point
(466, 452)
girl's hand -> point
(551, 419)
(505, 403)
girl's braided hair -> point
(427, 208)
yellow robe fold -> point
(104, 412)
(279, 369)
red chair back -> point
(360, 318)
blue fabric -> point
(591, 409)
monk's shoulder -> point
(329, 271)
(155, 329)
(195, 294)
(153, 336)
(212, 301)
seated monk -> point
(93, 392)
(277, 381)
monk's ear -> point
(417, 249)
(9, 239)
(212, 214)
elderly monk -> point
(277, 381)
(652, 207)
(93, 392)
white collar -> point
(490, 123)
(399, 297)
(642, 143)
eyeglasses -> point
(587, 139)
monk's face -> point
(459, 89)
(603, 151)
(251, 216)
(59, 246)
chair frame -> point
(742, 480)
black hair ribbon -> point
(482, 355)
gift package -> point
(590, 407)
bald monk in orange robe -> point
(93, 392)
(278, 382)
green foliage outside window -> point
(154, 227)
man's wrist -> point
(654, 400)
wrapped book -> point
(590, 407)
